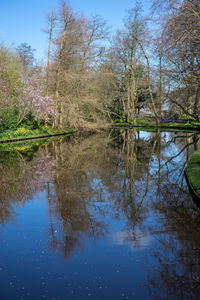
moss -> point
(193, 171)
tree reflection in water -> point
(174, 269)
(21, 176)
(132, 176)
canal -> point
(101, 216)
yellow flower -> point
(23, 148)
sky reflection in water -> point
(99, 217)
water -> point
(105, 216)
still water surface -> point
(105, 216)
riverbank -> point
(23, 134)
(192, 173)
(165, 124)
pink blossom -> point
(43, 107)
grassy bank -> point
(24, 133)
(165, 124)
(193, 171)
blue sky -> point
(23, 20)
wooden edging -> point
(194, 194)
(36, 137)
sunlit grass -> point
(193, 171)
(182, 124)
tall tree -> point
(51, 20)
(180, 45)
(129, 48)
(10, 86)
(26, 55)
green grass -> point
(193, 171)
(193, 125)
(155, 129)
(23, 132)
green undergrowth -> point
(23, 132)
(193, 171)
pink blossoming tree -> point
(33, 100)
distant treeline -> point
(92, 78)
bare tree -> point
(129, 47)
(180, 44)
(51, 20)
(26, 55)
